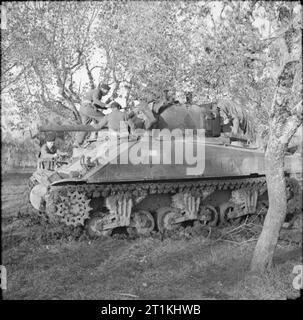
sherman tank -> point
(184, 166)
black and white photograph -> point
(151, 151)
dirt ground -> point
(192, 267)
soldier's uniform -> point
(91, 109)
(165, 101)
(47, 153)
(116, 121)
(135, 122)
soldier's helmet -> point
(104, 86)
(50, 137)
(115, 105)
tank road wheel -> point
(166, 218)
(143, 222)
(208, 215)
(94, 228)
(227, 214)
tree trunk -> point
(276, 186)
(283, 122)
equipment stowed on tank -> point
(121, 181)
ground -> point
(193, 267)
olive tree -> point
(44, 46)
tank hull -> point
(150, 184)
(218, 161)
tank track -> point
(140, 190)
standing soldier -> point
(91, 109)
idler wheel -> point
(166, 218)
(37, 195)
(143, 222)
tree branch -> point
(6, 84)
(90, 76)
(78, 62)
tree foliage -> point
(45, 45)
(144, 47)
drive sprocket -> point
(72, 209)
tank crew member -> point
(145, 115)
(115, 121)
(166, 100)
(92, 107)
(135, 122)
(189, 97)
(49, 152)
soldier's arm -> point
(102, 123)
(98, 102)
(109, 100)
(62, 153)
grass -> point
(142, 268)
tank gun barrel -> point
(69, 128)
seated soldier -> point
(135, 122)
(144, 116)
(166, 100)
(49, 153)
